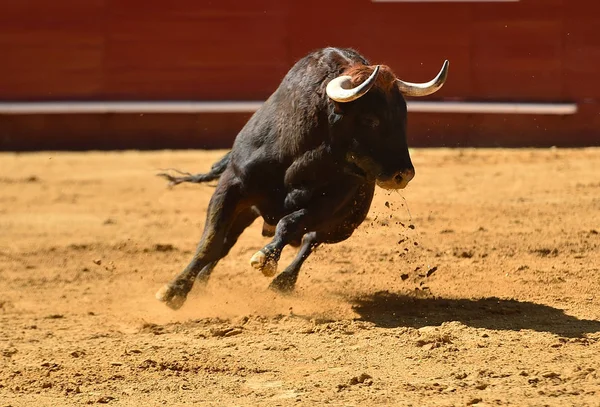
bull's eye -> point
(369, 121)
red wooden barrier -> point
(525, 51)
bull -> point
(307, 162)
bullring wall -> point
(529, 51)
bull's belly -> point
(336, 219)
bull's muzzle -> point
(397, 181)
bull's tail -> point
(215, 172)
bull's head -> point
(369, 106)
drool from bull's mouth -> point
(295, 171)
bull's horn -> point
(339, 89)
(424, 89)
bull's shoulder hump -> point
(311, 71)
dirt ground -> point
(479, 284)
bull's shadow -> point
(391, 310)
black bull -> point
(307, 161)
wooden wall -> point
(526, 51)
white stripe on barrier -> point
(249, 107)
(493, 107)
(445, 1)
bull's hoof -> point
(171, 297)
(283, 284)
(267, 265)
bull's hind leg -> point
(242, 221)
(225, 204)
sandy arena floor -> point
(477, 285)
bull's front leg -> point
(286, 280)
(289, 228)
(333, 219)
(313, 209)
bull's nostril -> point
(398, 178)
